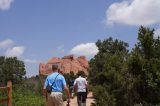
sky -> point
(37, 30)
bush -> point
(103, 98)
(26, 97)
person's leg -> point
(83, 104)
(72, 92)
(50, 101)
(83, 98)
(79, 98)
(58, 99)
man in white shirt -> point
(80, 85)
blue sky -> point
(36, 30)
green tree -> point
(144, 68)
(120, 78)
(11, 69)
(107, 72)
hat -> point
(55, 66)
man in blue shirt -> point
(58, 83)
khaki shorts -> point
(55, 99)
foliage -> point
(11, 69)
(144, 68)
(107, 72)
(22, 96)
(34, 84)
(127, 79)
(69, 76)
(27, 93)
(106, 99)
(81, 73)
(3, 95)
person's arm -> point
(75, 86)
(44, 89)
(66, 89)
(87, 86)
(67, 93)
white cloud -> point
(31, 61)
(85, 49)
(5, 4)
(15, 51)
(134, 12)
(6, 43)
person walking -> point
(58, 84)
(71, 87)
(80, 85)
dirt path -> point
(89, 100)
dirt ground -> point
(89, 100)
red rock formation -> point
(67, 64)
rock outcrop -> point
(67, 64)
